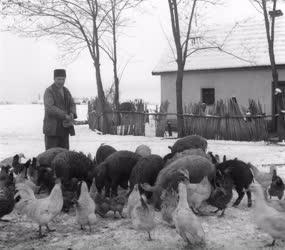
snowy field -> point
(21, 131)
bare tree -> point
(270, 28)
(270, 35)
(116, 20)
(182, 9)
(75, 24)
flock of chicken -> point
(179, 186)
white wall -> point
(243, 84)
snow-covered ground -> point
(21, 131)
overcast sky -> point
(26, 65)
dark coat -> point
(281, 117)
(56, 107)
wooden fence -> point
(241, 128)
(131, 122)
(237, 128)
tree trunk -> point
(115, 61)
(270, 40)
(101, 96)
(179, 105)
(116, 78)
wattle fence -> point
(223, 121)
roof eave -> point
(279, 66)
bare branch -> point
(188, 31)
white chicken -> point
(266, 217)
(133, 199)
(85, 208)
(263, 178)
(142, 216)
(197, 193)
(41, 211)
(186, 222)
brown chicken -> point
(118, 203)
(102, 203)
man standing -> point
(280, 114)
(60, 110)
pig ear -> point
(219, 173)
(224, 158)
(223, 191)
(227, 171)
(48, 169)
(217, 158)
(170, 148)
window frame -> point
(206, 95)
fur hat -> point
(59, 72)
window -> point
(208, 96)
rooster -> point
(222, 194)
(276, 187)
(41, 211)
(85, 208)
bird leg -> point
(215, 211)
(194, 210)
(82, 228)
(149, 237)
(202, 213)
(222, 214)
(101, 214)
(40, 232)
(115, 215)
(121, 214)
(49, 230)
